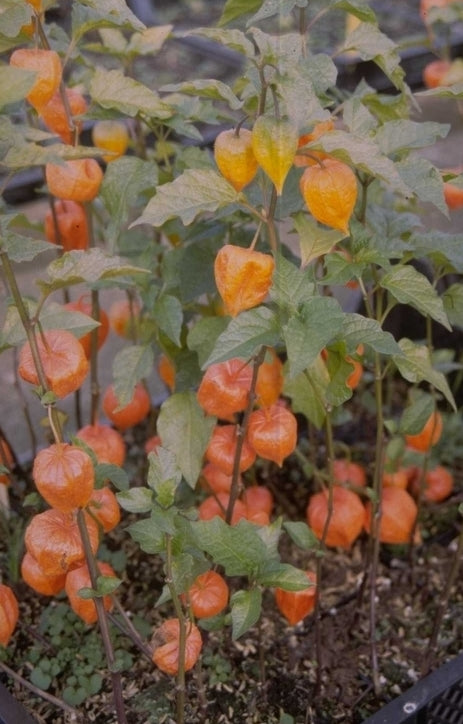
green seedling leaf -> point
(409, 286)
(185, 430)
(136, 500)
(245, 611)
(131, 365)
(201, 190)
(415, 366)
(302, 535)
(245, 335)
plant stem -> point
(241, 434)
(319, 561)
(182, 633)
(102, 620)
(39, 692)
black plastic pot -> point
(11, 711)
(436, 699)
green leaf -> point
(93, 265)
(453, 304)
(149, 536)
(356, 329)
(308, 391)
(302, 535)
(282, 575)
(444, 249)
(203, 336)
(18, 247)
(125, 180)
(111, 89)
(186, 431)
(313, 239)
(235, 9)
(200, 190)
(302, 86)
(130, 365)
(23, 155)
(320, 320)
(213, 89)
(104, 14)
(149, 41)
(363, 154)
(371, 44)
(52, 316)
(234, 39)
(136, 500)
(245, 611)
(239, 548)
(164, 476)
(116, 475)
(291, 286)
(416, 415)
(14, 83)
(409, 286)
(454, 92)
(425, 180)
(245, 335)
(404, 135)
(168, 313)
(415, 366)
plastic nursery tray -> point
(436, 699)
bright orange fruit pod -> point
(216, 506)
(53, 539)
(9, 614)
(167, 371)
(438, 484)
(346, 472)
(270, 380)
(34, 576)
(54, 115)
(257, 499)
(124, 317)
(208, 596)
(104, 507)
(215, 480)
(80, 578)
(235, 158)
(453, 195)
(107, 443)
(224, 389)
(112, 136)
(6, 459)
(274, 143)
(77, 180)
(63, 358)
(398, 515)
(434, 73)
(330, 192)
(84, 305)
(71, 221)
(166, 640)
(429, 435)
(64, 476)
(296, 605)
(47, 65)
(243, 277)
(347, 519)
(131, 414)
(427, 5)
(272, 432)
(222, 447)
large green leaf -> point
(149, 41)
(235, 9)
(425, 180)
(238, 548)
(201, 190)
(308, 333)
(282, 575)
(52, 316)
(213, 89)
(314, 240)
(18, 247)
(245, 611)
(403, 135)
(443, 248)
(203, 336)
(453, 304)
(113, 90)
(14, 84)
(90, 15)
(357, 328)
(291, 286)
(245, 335)
(168, 313)
(136, 500)
(185, 430)
(164, 475)
(234, 39)
(308, 392)
(415, 366)
(302, 535)
(409, 286)
(371, 44)
(91, 266)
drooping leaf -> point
(14, 83)
(213, 89)
(415, 366)
(357, 328)
(238, 548)
(149, 41)
(308, 392)
(425, 180)
(403, 135)
(314, 240)
(201, 190)
(282, 575)
(18, 247)
(415, 416)
(245, 611)
(130, 365)
(371, 44)
(230, 38)
(111, 89)
(185, 430)
(291, 286)
(52, 316)
(409, 286)
(302, 535)
(90, 15)
(168, 313)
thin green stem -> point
(181, 688)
